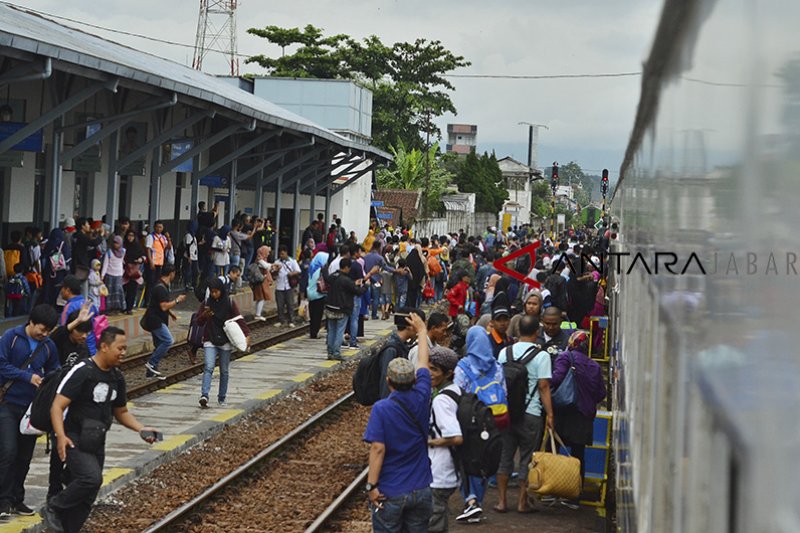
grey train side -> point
(707, 381)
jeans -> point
(162, 339)
(376, 300)
(210, 356)
(354, 320)
(16, 451)
(285, 302)
(474, 487)
(407, 513)
(438, 521)
(190, 273)
(74, 503)
(438, 290)
(336, 334)
(401, 300)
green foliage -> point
(409, 171)
(407, 79)
(482, 176)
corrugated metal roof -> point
(23, 30)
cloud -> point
(587, 116)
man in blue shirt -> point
(398, 483)
(26, 355)
(71, 293)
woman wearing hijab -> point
(479, 373)
(132, 274)
(260, 280)
(218, 308)
(316, 298)
(575, 424)
(113, 270)
(57, 246)
(532, 306)
(221, 250)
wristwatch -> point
(370, 487)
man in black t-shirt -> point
(70, 341)
(156, 320)
(95, 392)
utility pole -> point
(427, 162)
(533, 142)
(553, 187)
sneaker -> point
(5, 510)
(51, 519)
(261, 318)
(203, 402)
(335, 357)
(151, 369)
(150, 374)
(547, 500)
(222, 403)
(291, 325)
(22, 510)
(569, 504)
(470, 512)
(355, 346)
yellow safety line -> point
(328, 364)
(172, 388)
(251, 357)
(227, 415)
(271, 393)
(299, 378)
(172, 442)
(113, 473)
(19, 524)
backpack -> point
(516, 373)
(254, 274)
(43, 401)
(57, 260)
(491, 392)
(368, 376)
(196, 331)
(200, 289)
(15, 289)
(479, 454)
(11, 258)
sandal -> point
(499, 509)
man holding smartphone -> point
(95, 391)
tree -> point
(407, 79)
(409, 171)
(482, 176)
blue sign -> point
(214, 181)
(33, 143)
(178, 148)
(377, 203)
(384, 215)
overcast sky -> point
(589, 119)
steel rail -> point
(173, 517)
(336, 504)
(197, 368)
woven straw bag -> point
(554, 474)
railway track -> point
(292, 451)
(141, 386)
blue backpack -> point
(15, 288)
(491, 393)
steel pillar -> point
(296, 222)
(112, 194)
(259, 194)
(277, 220)
(232, 192)
(56, 173)
(327, 209)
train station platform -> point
(255, 379)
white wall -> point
(19, 204)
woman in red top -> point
(457, 296)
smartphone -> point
(156, 435)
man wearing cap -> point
(398, 343)
(445, 433)
(71, 293)
(399, 478)
(498, 327)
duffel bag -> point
(554, 474)
(235, 334)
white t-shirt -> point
(287, 266)
(191, 246)
(444, 411)
(538, 368)
(221, 258)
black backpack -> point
(368, 376)
(516, 374)
(43, 400)
(479, 455)
(201, 288)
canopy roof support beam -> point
(55, 112)
(27, 72)
(355, 178)
(200, 147)
(237, 153)
(277, 154)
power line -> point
(543, 76)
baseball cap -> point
(500, 305)
(401, 371)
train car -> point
(706, 377)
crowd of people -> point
(85, 271)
